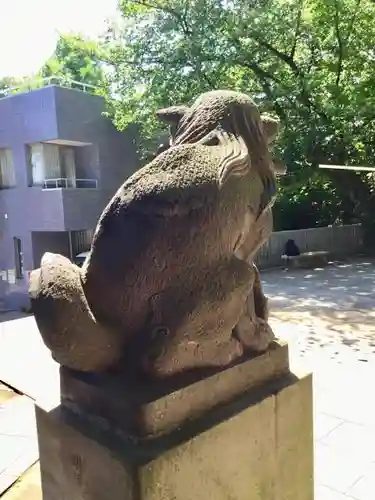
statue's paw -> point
(262, 337)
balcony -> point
(72, 209)
(57, 209)
(37, 83)
(64, 182)
(82, 207)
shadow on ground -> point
(335, 304)
(318, 308)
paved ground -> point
(332, 307)
(328, 317)
(18, 439)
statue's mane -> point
(231, 112)
(234, 119)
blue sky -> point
(29, 29)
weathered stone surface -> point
(150, 409)
(294, 430)
(170, 284)
(164, 393)
(259, 447)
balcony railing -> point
(64, 182)
(60, 81)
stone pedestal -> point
(245, 433)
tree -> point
(6, 83)
(77, 60)
(307, 61)
(11, 85)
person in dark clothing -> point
(291, 249)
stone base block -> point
(259, 446)
(145, 408)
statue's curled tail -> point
(66, 323)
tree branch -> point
(186, 9)
(207, 79)
(280, 55)
(305, 99)
(260, 72)
(352, 21)
(304, 95)
(298, 27)
(369, 120)
(268, 91)
(314, 51)
(177, 15)
(198, 69)
(264, 78)
(340, 43)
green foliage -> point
(11, 85)
(309, 62)
(306, 61)
(7, 83)
(76, 60)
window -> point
(51, 165)
(7, 173)
(68, 165)
(36, 163)
(18, 257)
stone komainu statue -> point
(170, 285)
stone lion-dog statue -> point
(170, 284)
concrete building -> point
(61, 161)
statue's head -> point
(237, 115)
(231, 111)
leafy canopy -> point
(309, 62)
(76, 60)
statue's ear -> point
(270, 127)
(172, 115)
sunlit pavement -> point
(327, 316)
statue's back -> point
(166, 224)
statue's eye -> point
(213, 140)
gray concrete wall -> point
(83, 207)
(55, 242)
(118, 157)
(79, 115)
(28, 117)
